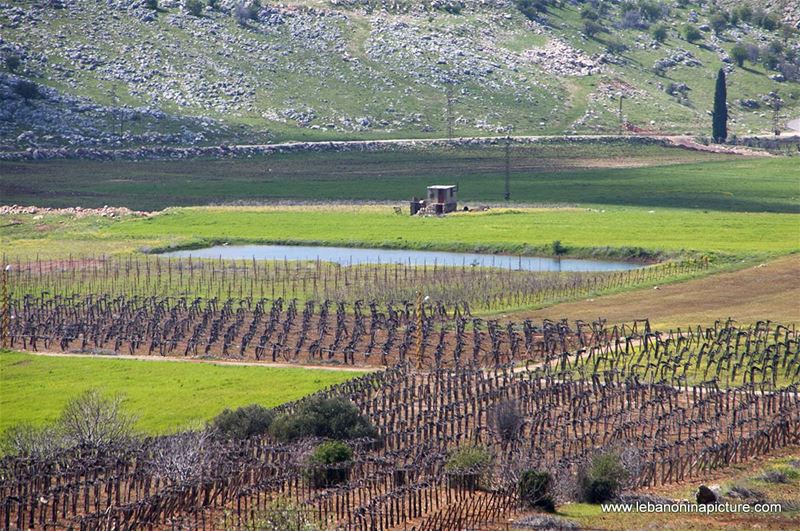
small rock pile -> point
(78, 212)
(558, 57)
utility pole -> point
(777, 104)
(6, 307)
(450, 119)
(507, 194)
(115, 101)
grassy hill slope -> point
(119, 73)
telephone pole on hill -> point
(450, 117)
(507, 194)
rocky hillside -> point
(194, 72)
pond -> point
(350, 256)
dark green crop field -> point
(616, 174)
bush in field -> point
(31, 441)
(241, 12)
(532, 8)
(469, 466)
(534, 490)
(592, 28)
(660, 33)
(12, 62)
(243, 422)
(506, 421)
(90, 420)
(603, 478)
(615, 46)
(332, 418)
(27, 89)
(588, 13)
(739, 54)
(692, 34)
(284, 514)
(718, 23)
(194, 7)
(322, 470)
(94, 420)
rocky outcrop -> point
(223, 151)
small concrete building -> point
(441, 200)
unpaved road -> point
(270, 364)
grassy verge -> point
(166, 396)
(605, 232)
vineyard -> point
(675, 404)
(478, 288)
(640, 404)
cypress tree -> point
(720, 116)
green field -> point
(599, 231)
(619, 174)
(165, 396)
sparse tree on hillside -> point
(720, 114)
(739, 54)
(592, 28)
(660, 33)
(94, 420)
(194, 7)
(692, 33)
(718, 23)
(241, 13)
(27, 89)
(12, 62)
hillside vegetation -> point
(130, 72)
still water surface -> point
(348, 256)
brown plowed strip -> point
(767, 291)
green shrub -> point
(615, 46)
(532, 8)
(243, 422)
(468, 466)
(692, 34)
(558, 248)
(151, 4)
(332, 418)
(603, 479)
(534, 490)
(320, 471)
(592, 28)
(27, 89)
(718, 23)
(660, 32)
(194, 7)
(588, 13)
(12, 62)
(739, 53)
